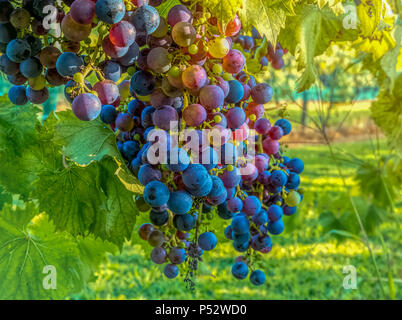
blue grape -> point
(146, 116)
(295, 165)
(261, 93)
(171, 271)
(251, 205)
(111, 70)
(235, 117)
(86, 106)
(156, 193)
(31, 67)
(236, 92)
(207, 241)
(131, 56)
(40, 96)
(240, 270)
(260, 218)
(125, 122)
(68, 64)
(241, 246)
(177, 255)
(223, 211)
(142, 83)
(158, 255)
(210, 156)
(180, 202)
(285, 125)
(147, 173)
(159, 218)
(276, 227)
(241, 237)
(34, 43)
(17, 95)
(110, 11)
(257, 277)
(288, 211)
(240, 224)
(231, 178)
(228, 232)
(227, 153)
(177, 160)
(18, 50)
(135, 165)
(293, 181)
(217, 187)
(259, 242)
(235, 204)
(195, 176)
(145, 19)
(184, 222)
(275, 213)
(108, 114)
(7, 33)
(7, 66)
(278, 178)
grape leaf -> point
(85, 141)
(88, 199)
(25, 147)
(268, 17)
(223, 10)
(28, 243)
(308, 34)
(5, 197)
(390, 60)
(386, 112)
(119, 205)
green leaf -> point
(390, 60)
(386, 112)
(88, 199)
(25, 147)
(223, 10)
(308, 34)
(5, 197)
(119, 205)
(267, 16)
(85, 141)
(29, 242)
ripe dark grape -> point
(86, 106)
(17, 95)
(146, 19)
(110, 11)
(122, 34)
(240, 270)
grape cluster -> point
(151, 79)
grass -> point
(305, 263)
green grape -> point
(183, 34)
(193, 49)
(217, 68)
(20, 18)
(218, 47)
(37, 83)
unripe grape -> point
(37, 83)
(218, 47)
